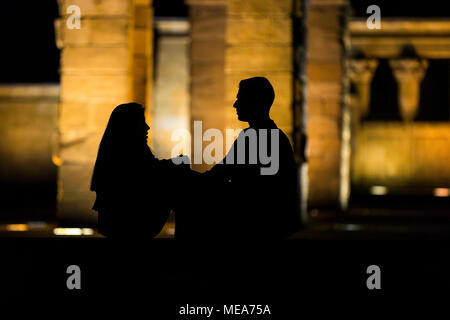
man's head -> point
(254, 99)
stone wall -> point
(28, 164)
(405, 158)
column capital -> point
(408, 72)
(362, 70)
(408, 69)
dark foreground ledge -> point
(166, 273)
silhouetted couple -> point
(232, 201)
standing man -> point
(252, 193)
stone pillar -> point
(207, 54)
(171, 109)
(97, 74)
(408, 73)
(259, 43)
(142, 37)
(325, 74)
(361, 72)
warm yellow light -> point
(73, 231)
(378, 190)
(56, 160)
(441, 192)
(16, 227)
(170, 231)
(87, 231)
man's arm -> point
(223, 171)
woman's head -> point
(127, 121)
(123, 145)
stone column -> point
(325, 75)
(143, 54)
(171, 109)
(408, 73)
(97, 73)
(361, 72)
(207, 54)
(259, 43)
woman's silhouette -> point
(131, 184)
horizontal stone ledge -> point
(206, 104)
(263, 29)
(324, 72)
(220, 37)
(260, 6)
(96, 32)
(96, 7)
(31, 91)
(258, 15)
(405, 27)
(64, 18)
(91, 86)
(100, 46)
(95, 71)
(258, 58)
(207, 51)
(95, 58)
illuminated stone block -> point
(324, 101)
(260, 7)
(97, 7)
(79, 87)
(259, 58)
(392, 155)
(256, 29)
(100, 59)
(96, 31)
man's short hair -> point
(260, 89)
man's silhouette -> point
(238, 201)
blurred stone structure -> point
(207, 65)
(322, 63)
(407, 156)
(229, 41)
(325, 74)
(171, 109)
(28, 163)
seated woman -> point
(132, 186)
